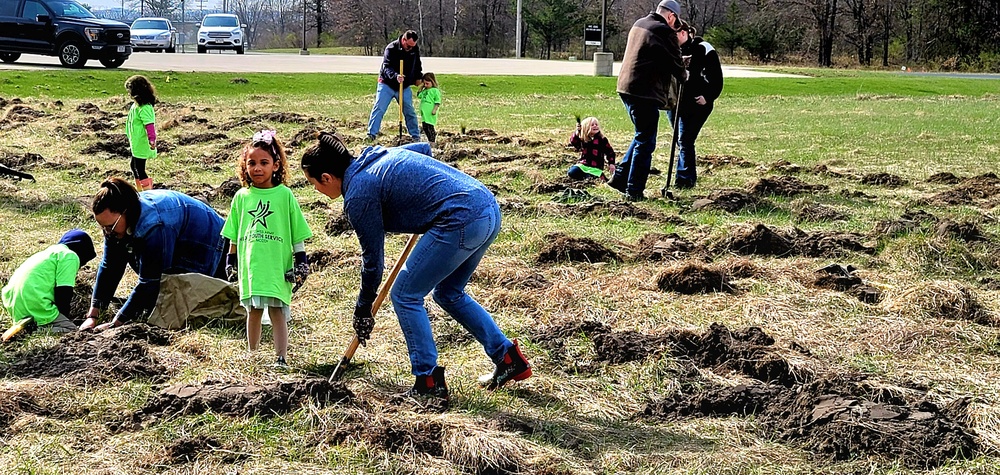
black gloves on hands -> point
(232, 272)
(364, 322)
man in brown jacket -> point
(652, 56)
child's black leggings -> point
(139, 168)
(429, 132)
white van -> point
(221, 31)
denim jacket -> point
(174, 234)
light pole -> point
(305, 49)
(517, 32)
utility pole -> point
(305, 49)
(517, 32)
(604, 17)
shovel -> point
(399, 141)
(665, 191)
(338, 372)
(25, 325)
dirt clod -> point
(965, 231)
(969, 191)
(242, 399)
(189, 449)
(115, 144)
(815, 212)
(883, 179)
(693, 278)
(338, 225)
(910, 221)
(663, 247)
(845, 279)
(560, 247)
(729, 200)
(945, 178)
(203, 137)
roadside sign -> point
(592, 35)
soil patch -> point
(530, 281)
(815, 212)
(24, 161)
(19, 114)
(826, 171)
(114, 355)
(283, 117)
(227, 189)
(189, 449)
(617, 209)
(845, 279)
(910, 221)
(560, 247)
(765, 241)
(663, 247)
(710, 162)
(760, 240)
(338, 225)
(201, 138)
(883, 179)
(784, 166)
(970, 191)
(115, 144)
(89, 108)
(693, 278)
(453, 155)
(14, 404)
(98, 123)
(965, 231)
(945, 178)
(729, 200)
(422, 437)
(782, 186)
(243, 400)
(322, 258)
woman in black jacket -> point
(700, 92)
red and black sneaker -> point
(432, 385)
(513, 367)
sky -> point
(104, 4)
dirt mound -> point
(945, 178)
(308, 135)
(824, 170)
(188, 449)
(559, 186)
(322, 258)
(338, 224)
(203, 137)
(283, 117)
(729, 200)
(883, 179)
(965, 231)
(815, 212)
(782, 186)
(765, 241)
(760, 240)
(453, 155)
(89, 108)
(663, 247)
(98, 123)
(423, 437)
(711, 162)
(693, 278)
(14, 404)
(844, 279)
(227, 189)
(840, 418)
(969, 191)
(243, 400)
(115, 144)
(19, 114)
(942, 299)
(910, 221)
(529, 281)
(24, 161)
(560, 247)
(117, 354)
(784, 166)
(610, 346)
(617, 209)
(830, 244)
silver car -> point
(154, 34)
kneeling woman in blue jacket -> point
(404, 190)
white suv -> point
(221, 31)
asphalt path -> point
(231, 62)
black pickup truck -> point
(62, 28)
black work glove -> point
(299, 271)
(364, 322)
(232, 272)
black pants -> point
(429, 132)
(139, 168)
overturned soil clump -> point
(782, 186)
(115, 144)
(945, 178)
(883, 179)
(910, 221)
(765, 241)
(560, 248)
(970, 191)
(729, 200)
(712, 162)
(23, 161)
(617, 209)
(338, 224)
(814, 212)
(693, 278)
(113, 355)
(663, 247)
(965, 231)
(845, 279)
(189, 449)
(243, 400)
(841, 418)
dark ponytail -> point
(119, 196)
(328, 155)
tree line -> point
(951, 34)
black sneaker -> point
(513, 367)
(635, 198)
(617, 183)
(280, 363)
(432, 385)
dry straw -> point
(941, 299)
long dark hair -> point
(141, 90)
(328, 155)
(119, 196)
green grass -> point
(584, 422)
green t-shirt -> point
(428, 98)
(265, 224)
(31, 291)
(135, 128)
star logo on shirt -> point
(261, 213)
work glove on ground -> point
(364, 322)
(232, 272)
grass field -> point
(617, 386)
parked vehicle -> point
(62, 28)
(221, 31)
(154, 34)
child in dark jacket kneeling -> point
(595, 151)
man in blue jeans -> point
(405, 190)
(405, 49)
(652, 57)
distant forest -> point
(944, 34)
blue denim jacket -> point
(404, 190)
(174, 234)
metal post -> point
(517, 34)
(305, 49)
(604, 16)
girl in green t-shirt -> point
(267, 231)
(140, 127)
(430, 100)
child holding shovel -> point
(595, 151)
(41, 289)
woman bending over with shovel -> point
(404, 190)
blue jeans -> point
(383, 96)
(443, 262)
(693, 118)
(633, 171)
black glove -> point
(301, 269)
(232, 272)
(364, 322)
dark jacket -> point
(412, 68)
(705, 71)
(595, 152)
(652, 56)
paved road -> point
(264, 62)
